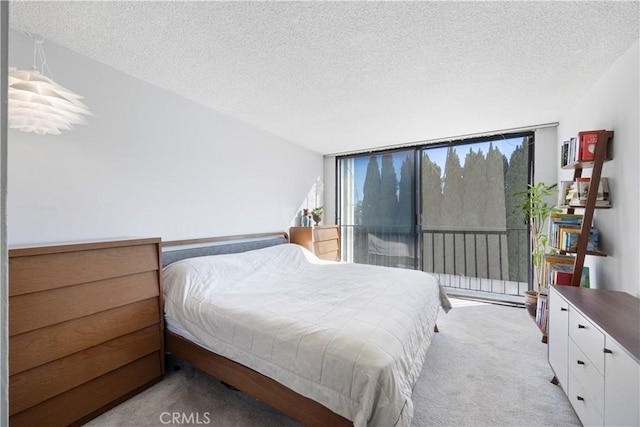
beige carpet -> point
(486, 367)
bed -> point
(327, 343)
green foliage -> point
(372, 194)
(319, 211)
(515, 180)
(406, 193)
(431, 193)
(388, 208)
(532, 204)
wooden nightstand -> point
(322, 240)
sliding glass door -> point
(444, 208)
(378, 208)
(471, 238)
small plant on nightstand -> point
(317, 213)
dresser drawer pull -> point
(580, 362)
(582, 327)
(606, 350)
(580, 398)
(563, 309)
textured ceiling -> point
(343, 76)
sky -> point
(437, 155)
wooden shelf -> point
(583, 207)
(582, 165)
(602, 153)
(593, 253)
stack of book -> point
(558, 270)
(581, 148)
(564, 232)
(574, 193)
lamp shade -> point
(38, 104)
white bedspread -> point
(352, 337)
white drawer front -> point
(622, 387)
(588, 338)
(558, 336)
(587, 375)
(583, 403)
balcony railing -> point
(488, 261)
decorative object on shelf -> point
(306, 218)
(586, 197)
(582, 148)
(533, 205)
(317, 213)
(38, 104)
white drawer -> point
(588, 338)
(583, 403)
(587, 375)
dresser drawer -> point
(327, 233)
(583, 403)
(587, 375)
(588, 338)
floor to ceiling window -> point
(378, 208)
(444, 208)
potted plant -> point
(532, 204)
(316, 213)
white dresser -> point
(594, 351)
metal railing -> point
(480, 260)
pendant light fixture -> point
(39, 104)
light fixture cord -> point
(38, 52)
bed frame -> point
(305, 410)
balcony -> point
(481, 263)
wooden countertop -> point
(616, 313)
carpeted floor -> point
(486, 367)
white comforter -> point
(352, 337)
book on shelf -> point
(558, 270)
(562, 277)
(567, 191)
(580, 148)
(568, 239)
(588, 141)
(575, 193)
(542, 313)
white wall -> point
(613, 104)
(546, 156)
(149, 163)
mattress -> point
(352, 337)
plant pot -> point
(531, 302)
(316, 218)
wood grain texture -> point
(309, 412)
(31, 250)
(39, 309)
(616, 313)
(80, 314)
(327, 233)
(322, 240)
(46, 381)
(54, 270)
(79, 404)
(54, 342)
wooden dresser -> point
(322, 240)
(594, 350)
(85, 328)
